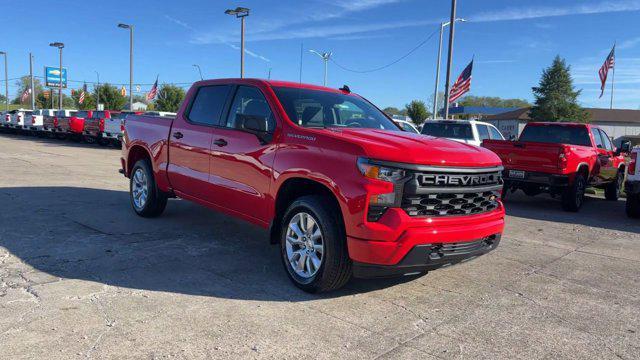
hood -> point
(406, 147)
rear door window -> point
(208, 105)
(495, 134)
(606, 140)
(483, 132)
(597, 138)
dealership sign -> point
(52, 76)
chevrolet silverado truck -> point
(94, 126)
(632, 185)
(561, 159)
(341, 188)
(58, 124)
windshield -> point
(556, 134)
(448, 130)
(316, 108)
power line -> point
(391, 63)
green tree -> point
(110, 96)
(492, 101)
(417, 111)
(23, 84)
(169, 98)
(556, 98)
(390, 111)
(89, 100)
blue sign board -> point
(52, 76)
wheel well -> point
(293, 189)
(584, 170)
(136, 153)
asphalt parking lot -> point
(82, 277)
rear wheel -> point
(313, 245)
(612, 191)
(146, 199)
(633, 206)
(573, 196)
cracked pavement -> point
(82, 277)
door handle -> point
(220, 142)
(178, 135)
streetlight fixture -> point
(435, 93)
(130, 27)
(240, 12)
(199, 71)
(6, 82)
(60, 46)
(325, 56)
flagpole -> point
(613, 75)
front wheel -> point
(146, 199)
(313, 245)
(573, 196)
(612, 191)
(633, 206)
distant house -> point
(137, 106)
(617, 123)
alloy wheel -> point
(304, 245)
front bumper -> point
(427, 257)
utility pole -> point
(435, 92)
(98, 91)
(452, 22)
(60, 46)
(130, 27)
(33, 89)
(6, 82)
(613, 76)
(240, 12)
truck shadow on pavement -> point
(595, 212)
(93, 235)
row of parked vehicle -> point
(93, 126)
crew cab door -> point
(241, 162)
(606, 156)
(190, 142)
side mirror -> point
(256, 125)
(625, 147)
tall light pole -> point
(60, 46)
(33, 90)
(6, 82)
(452, 23)
(325, 56)
(130, 27)
(98, 91)
(435, 93)
(240, 12)
(199, 71)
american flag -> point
(25, 95)
(81, 99)
(154, 90)
(462, 85)
(604, 70)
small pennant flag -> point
(25, 95)
(154, 90)
(462, 85)
(609, 63)
(123, 91)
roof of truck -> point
(273, 83)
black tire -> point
(335, 267)
(573, 196)
(103, 142)
(633, 206)
(156, 201)
(612, 190)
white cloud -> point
(629, 44)
(180, 23)
(248, 52)
(542, 12)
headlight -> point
(378, 172)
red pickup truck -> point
(341, 188)
(561, 159)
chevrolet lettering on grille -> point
(459, 180)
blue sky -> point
(512, 42)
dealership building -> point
(617, 123)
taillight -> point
(121, 127)
(55, 121)
(632, 164)
(33, 120)
(7, 117)
(562, 157)
(101, 125)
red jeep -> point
(561, 159)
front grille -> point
(450, 204)
(439, 251)
(452, 192)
